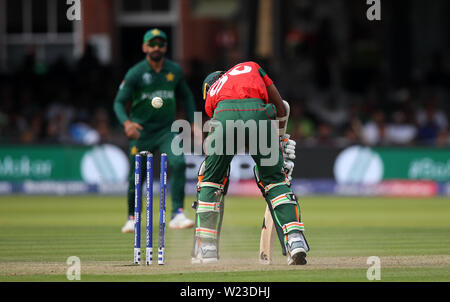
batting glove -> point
(288, 166)
(288, 147)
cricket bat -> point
(268, 229)
(267, 236)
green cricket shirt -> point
(141, 84)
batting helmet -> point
(209, 81)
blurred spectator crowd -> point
(404, 120)
(73, 105)
(336, 102)
(59, 103)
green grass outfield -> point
(410, 236)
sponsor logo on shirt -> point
(164, 94)
(170, 77)
(147, 78)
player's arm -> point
(283, 111)
(124, 95)
(275, 98)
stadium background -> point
(378, 90)
(370, 110)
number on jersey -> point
(234, 72)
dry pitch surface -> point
(225, 265)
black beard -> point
(155, 56)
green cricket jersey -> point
(141, 84)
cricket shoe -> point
(180, 221)
(129, 226)
(205, 253)
(296, 249)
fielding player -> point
(245, 93)
(148, 124)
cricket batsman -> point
(246, 93)
(153, 85)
